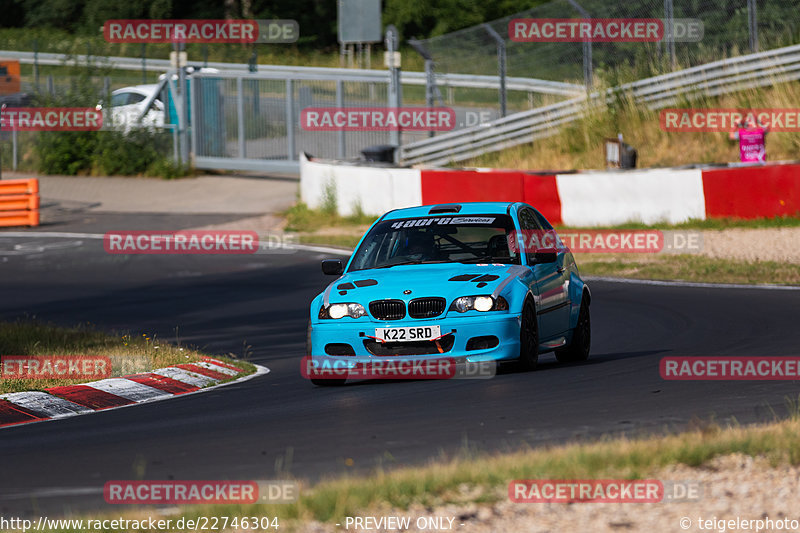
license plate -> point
(418, 333)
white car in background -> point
(128, 104)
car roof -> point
(146, 90)
(465, 208)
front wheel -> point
(578, 349)
(528, 338)
(315, 381)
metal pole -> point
(431, 91)
(668, 32)
(14, 149)
(183, 116)
(36, 64)
(501, 65)
(240, 117)
(752, 24)
(176, 158)
(588, 73)
(587, 49)
(290, 140)
(341, 149)
(391, 42)
(430, 82)
(144, 63)
(195, 93)
(501, 56)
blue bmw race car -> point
(471, 281)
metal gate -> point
(250, 121)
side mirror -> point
(548, 256)
(333, 267)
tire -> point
(320, 382)
(528, 338)
(578, 349)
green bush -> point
(139, 152)
(67, 153)
(128, 154)
(107, 153)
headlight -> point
(483, 303)
(336, 311)
(479, 303)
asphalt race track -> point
(257, 306)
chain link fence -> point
(731, 28)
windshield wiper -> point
(414, 262)
(487, 258)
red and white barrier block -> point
(71, 400)
(591, 198)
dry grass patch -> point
(129, 353)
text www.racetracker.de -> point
(200, 523)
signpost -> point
(359, 23)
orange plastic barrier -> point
(19, 202)
(9, 76)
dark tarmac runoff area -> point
(256, 306)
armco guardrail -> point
(719, 77)
(19, 202)
(407, 77)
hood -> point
(448, 280)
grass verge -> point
(483, 478)
(302, 218)
(688, 268)
(129, 353)
(579, 144)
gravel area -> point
(734, 486)
(767, 244)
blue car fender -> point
(516, 288)
(577, 288)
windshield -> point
(447, 239)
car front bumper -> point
(354, 332)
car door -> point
(551, 280)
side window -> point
(542, 221)
(119, 99)
(531, 233)
(527, 219)
(135, 98)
